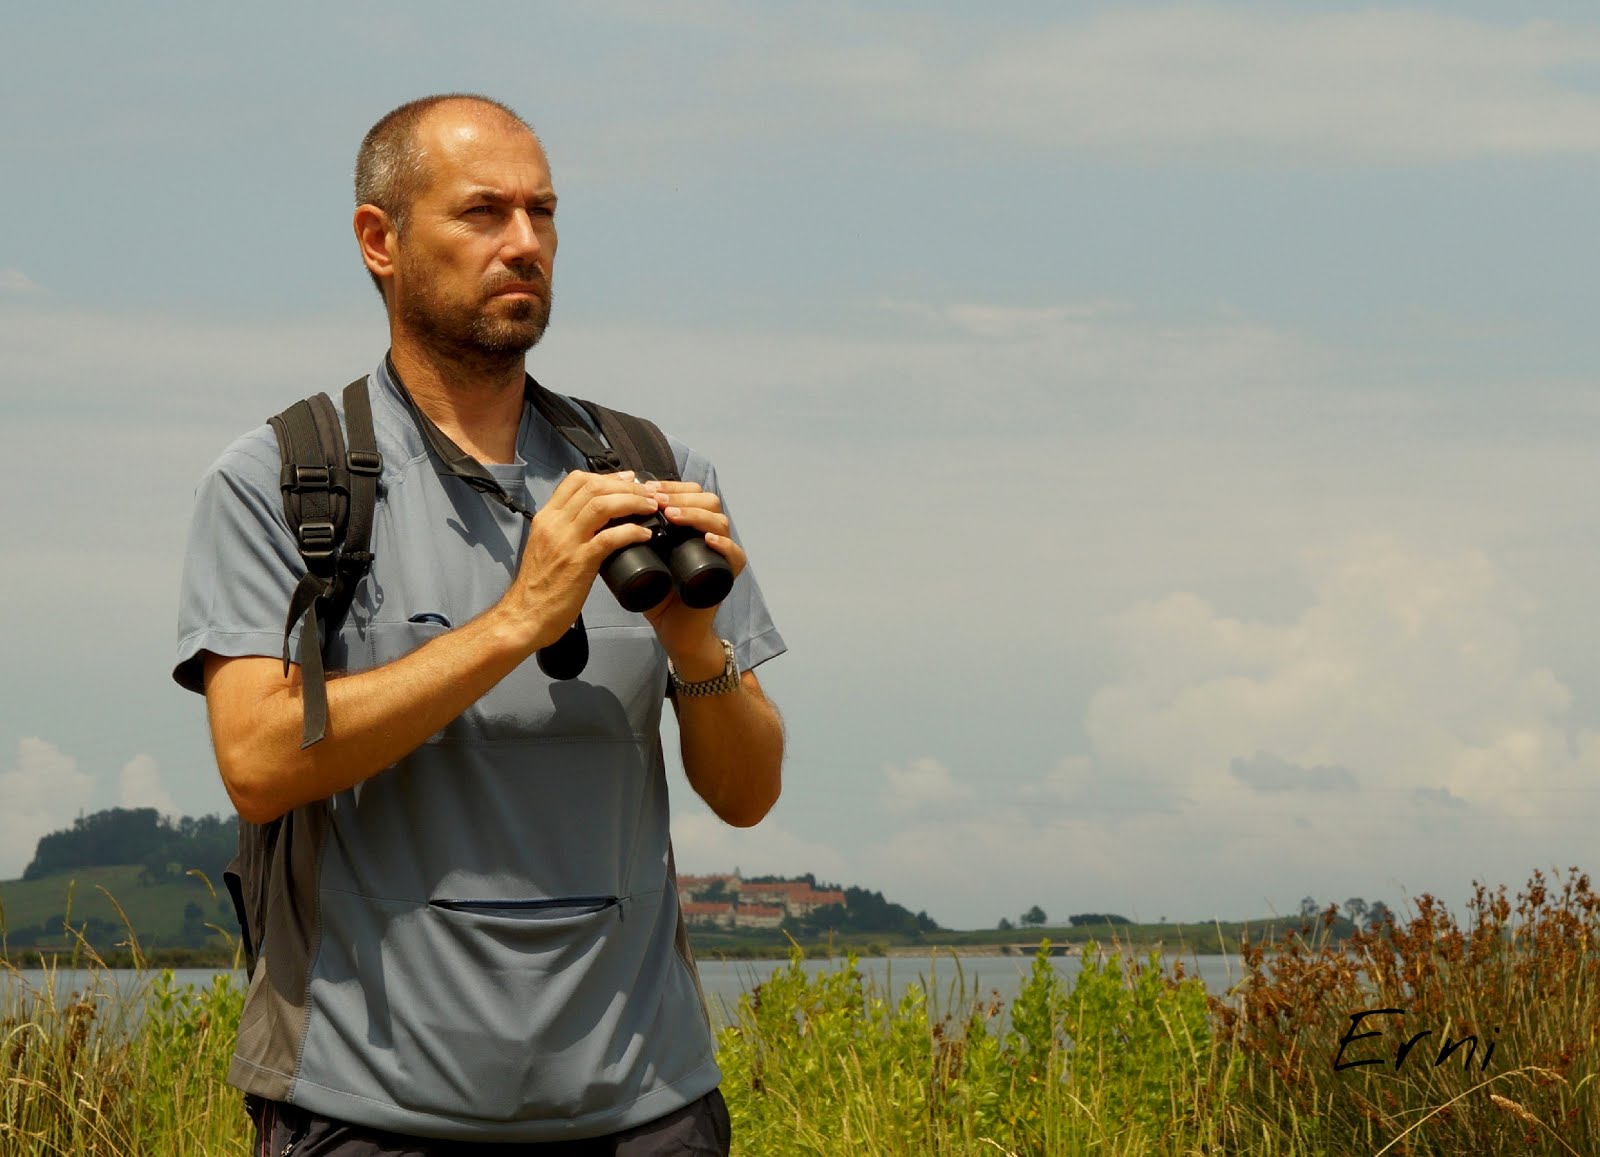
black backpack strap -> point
(329, 495)
(246, 878)
(638, 441)
(601, 459)
(365, 465)
(625, 440)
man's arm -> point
(732, 747)
(377, 717)
(732, 744)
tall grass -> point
(108, 1071)
(1120, 1063)
(1131, 1058)
(1522, 978)
(1136, 1059)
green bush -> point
(825, 1064)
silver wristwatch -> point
(723, 684)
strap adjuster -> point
(368, 462)
(316, 539)
(298, 478)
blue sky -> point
(1162, 431)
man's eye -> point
(480, 210)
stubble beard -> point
(470, 336)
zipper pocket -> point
(573, 905)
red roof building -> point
(758, 916)
(708, 914)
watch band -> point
(723, 684)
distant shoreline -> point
(1178, 940)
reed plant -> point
(108, 1070)
(1488, 1045)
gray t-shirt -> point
(483, 941)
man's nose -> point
(522, 239)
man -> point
(471, 930)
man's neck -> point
(477, 403)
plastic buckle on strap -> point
(365, 462)
(316, 539)
(308, 478)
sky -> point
(1161, 431)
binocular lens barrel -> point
(637, 577)
(703, 576)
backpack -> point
(330, 496)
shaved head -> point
(392, 166)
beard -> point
(490, 333)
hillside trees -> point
(166, 848)
(862, 911)
(1087, 919)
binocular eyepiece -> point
(641, 576)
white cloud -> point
(1396, 734)
(16, 281)
(1009, 322)
(142, 787)
(107, 367)
(704, 844)
(1215, 82)
(42, 792)
(923, 785)
(1408, 670)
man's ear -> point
(376, 235)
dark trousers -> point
(699, 1129)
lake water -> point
(944, 977)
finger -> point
(677, 486)
(729, 550)
(579, 482)
(613, 538)
(592, 514)
(607, 494)
(698, 499)
(697, 518)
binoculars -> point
(675, 559)
(640, 576)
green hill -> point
(104, 902)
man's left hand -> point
(686, 633)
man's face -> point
(472, 270)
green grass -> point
(1122, 1062)
(115, 899)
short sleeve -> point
(742, 618)
(241, 565)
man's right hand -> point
(567, 541)
(378, 716)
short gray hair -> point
(389, 165)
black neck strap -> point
(457, 462)
(553, 409)
(567, 656)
